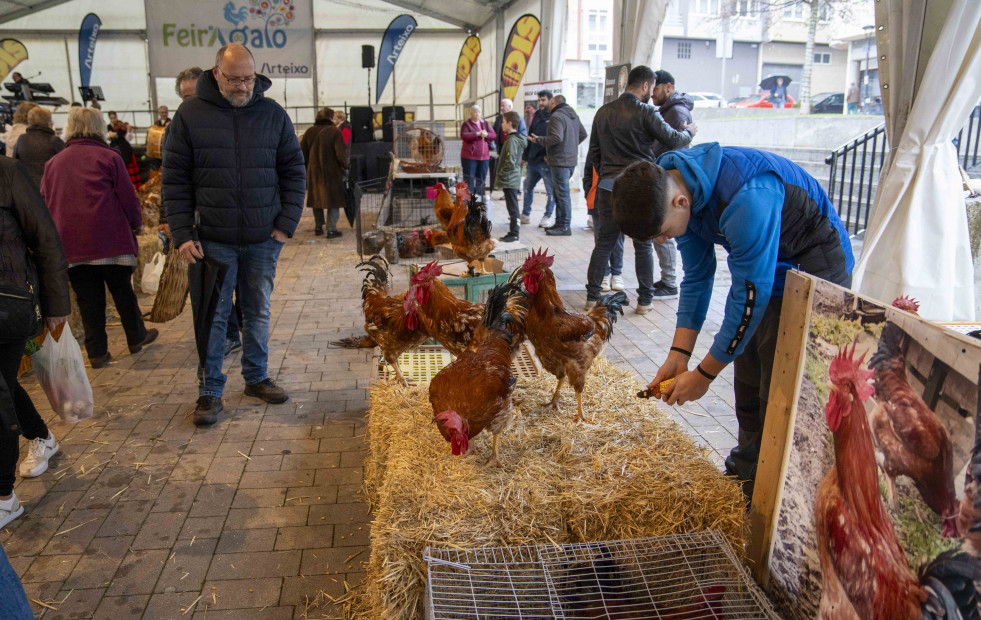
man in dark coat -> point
(565, 134)
(327, 163)
(233, 173)
(537, 169)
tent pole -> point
(68, 61)
(432, 113)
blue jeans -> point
(13, 601)
(616, 256)
(253, 268)
(607, 234)
(563, 200)
(475, 174)
(538, 172)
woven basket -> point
(172, 291)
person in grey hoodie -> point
(565, 134)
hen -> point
(471, 237)
(909, 436)
(474, 391)
(863, 567)
(565, 342)
(448, 210)
(392, 321)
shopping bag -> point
(151, 274)
(61, 372)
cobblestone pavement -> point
(141, 514)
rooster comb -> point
(538, 260)
(432, 270)
(844, 367)
(906, 303)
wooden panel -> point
(778, 431)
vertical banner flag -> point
(88, 34)
(12, 53)
(188, 33)
(393, 42)
(468, 57)
(521, 43)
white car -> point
(708, 100)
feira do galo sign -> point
(521, 43)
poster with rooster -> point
(877, 502)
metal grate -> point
(679, 576)
(421, 365)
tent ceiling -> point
(13, 9)
(467, 14)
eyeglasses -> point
(237, 81)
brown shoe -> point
(101, 361)
(267, 391)
(151, 335)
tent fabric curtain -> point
(917, 242)
(555, 27)
(636, 26)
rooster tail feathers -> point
(516, 276)
(950, 581)
(505, 300)
(611, 305)
(476, 219)
(355, 342)
(376, 274)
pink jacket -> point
(92, 201)
(475, 147)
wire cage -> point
(689, 576)
(436, 127)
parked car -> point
(760, 100)
(708, 100)
(828, 103)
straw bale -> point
(634, 473)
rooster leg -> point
(579, 416)
(394, 362)
(554, 403)
(494, 461)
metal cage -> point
(687, 576)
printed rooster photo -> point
(873, 505)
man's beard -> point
(238, 100)
(646, 98)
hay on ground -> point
(634, 473)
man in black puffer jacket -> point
(234, 177)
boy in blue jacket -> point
(770, 216)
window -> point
(822, 58)
(684, 50)
(824, 12)
(598, 37)
(746, 7)
(706, 7)
(794, 11)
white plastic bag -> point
(60, 370)
(151, 274)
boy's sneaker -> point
(662, 291)
(616, 283)
(605, 284)
(525, 220)
(10, 509)
(38, 453)
(508, 238)
(548, 221)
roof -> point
(467, 14)
(13, 9)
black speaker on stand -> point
(368, 62)
(362, 124)
(389, 114)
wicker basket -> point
(172, 291)
(154, 141)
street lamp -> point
(868, 45)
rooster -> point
(565, 342)
(445, 206)
(450, 321)
(392, 321)
(471, 237)
(474, 391)
(863, 567)
(911, 439)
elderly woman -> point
(475, 155)
(38, 144)
(95, 208)
(327, 163)
(18, 127)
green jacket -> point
(509, 162)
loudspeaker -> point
(389, 114)
(362, 129)
(367, 56)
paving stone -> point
(265, 613)
(301, 591)
(160, 530)
(75, 533)
(51, 568)
(186, 567)
(264, 463)
(255, 565)
(75, 604)
(320, 561)
(260, 498)
(225, 470)
(213, 500)
(138, 572)
(240, 541)
(176, 496)
(308, 496)
(98, 564)
(268, 479)
(44, 591)
(340, 476)
(192, 467)
(339, 513)
(31, 535)
(285, 516)
(126, 519)
(244, 593)
(265, 447)
(201, 527)
(119, 607)
(306, 537)
(319, 460)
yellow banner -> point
(468, 58)
(521, 43)
(12, 53)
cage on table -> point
(694, 575)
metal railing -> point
(856, 166)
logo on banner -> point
(12, 53)
(468, 58)
(88, 34)
(521, 43)
(393, 42)
(615, 82)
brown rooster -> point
(446, 206)
(471, 237)
(474, 391)
(450, 321)
(392, 321)
(911, 439)
(565, 342)
(863, 567)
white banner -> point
(187, 33)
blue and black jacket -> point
(770, 216)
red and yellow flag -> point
(12, 53)
(468, 57)
(521, 43)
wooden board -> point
(781, 408)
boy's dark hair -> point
(640, 74)
(545, 93)
(640, 199)
(512, 118)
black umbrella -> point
(205, 279)
(352, 199)
(770, 82)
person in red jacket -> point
(97, 213)
(475, 156)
